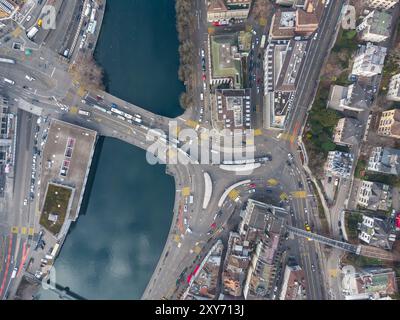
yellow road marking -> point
(284, 196)
(262, 22)
(333, 272)
(233, 194)
(211, 30)
(204, 136)
(81, 91)
(14, 229)
(31, 231)
(177, 238)
(191, 123)
(258, 132)
(197, 249)
(299, 194)
(272, 182)
(23, 230)
(73, 110)
(186, 191)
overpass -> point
(366, 251)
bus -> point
(262, 41)
(95, 106)
(119, 112)
(5, 60)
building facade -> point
(389, 123)
(394, 88)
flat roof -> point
(66, 160)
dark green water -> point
(113, 249)
(138, 49)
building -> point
(347, 132)
(368, 284)
(374, 196)
(203, 284)
(283, 64)
(233, 108)
(369, 60)
(339, 164)
(262, 227)
(226, 61)
(382, 4)
(377, 232)
(7, 142)
(375, 27)
(283, 25)
(218, 10)
(294, 284)
(389, 123)
(66, 160)
(394, 88)
(384, 160)
(252, 257)
(303, 21)
(236, 263)
(355, 97)
(7, 7)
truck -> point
(32, 32)
(6, 60)
(14, 273)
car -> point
(305, 210)
(268, 191)
(313, 267)
(339, 223)
(185, 208)
(301, 186)
(290, 156)
(28, 18)
(202, 53)
(252, 185)
(204, 77)
(329, 179)
(25, 202)
(252, 190)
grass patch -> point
(351, 221)
(362, 262)
(56, 202)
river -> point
(111, 252)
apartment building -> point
(347, 132)
(376, 26)
(389, 123)
(384, 160)
(218, 10)
(394, 88)
(369, 60)
(374, 196)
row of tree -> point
(185, 26)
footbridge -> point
(366, 251)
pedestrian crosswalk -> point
(63, 107)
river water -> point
(113, 249)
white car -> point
(28, 18)
(25, 202)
